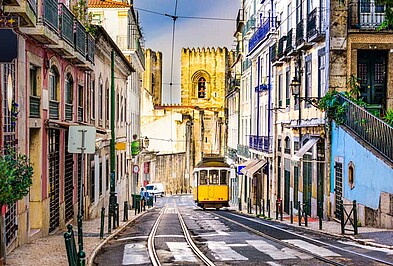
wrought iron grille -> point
(289, 44)
(370, 128)
(9, 122)
(51, 14)
(280, 50)
(366, 14)
(90, 48)
(66, 24)
(35, 106)
(261, 143)
(338, 169)
(80, 38)
(68, 111)
(53, 109)
(54, 178)
(68, 181)
(299, 33)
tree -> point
(15, 180)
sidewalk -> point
(51, 250)
(371, 236)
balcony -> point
(26, 10)
(365, 15)
(261, 143)
(232, 154)
(316, 25)
(239, 21)
(246, 64)
(300, 41)
(68, 111)
(243, 151)
(90, 48)
(249, 25)
(53, 109)
(80, 39)
(273, 53)
(289, 48)
(35, 106)
(66, 25)
(131, 43)
(234, 84)
(371, 129)
(281, 45)
(261, 34)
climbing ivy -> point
(388, 23)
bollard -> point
(240, 204)
(276, 209)
(305, 215)
(299, 213)
(70, 256)
(72, 241)
(155, 198)
(281, 210)
(136, 206)
(109, 219)
(80, 234)
(268, 208)
(320, 214)
(117, 215)
(355, 218)
(342, 219)
(291, 210)
(263, 207)
(81, 258)
(125, 213)
(102, 223)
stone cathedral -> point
(205, 75)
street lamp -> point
(146, 142)
(295, 86)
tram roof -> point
(212, 162)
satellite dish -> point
(9, 92)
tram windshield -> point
(203, 178)
(213, 177)
(223, 177)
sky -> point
(157, 30)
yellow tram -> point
(211, 189)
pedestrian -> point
(143, 199)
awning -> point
(248, 164)
(305, 148)
(256, 167)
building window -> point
(100, 179)
(287, 91)
(202, 87)
(33, 80)
(53, 84)
(108, 173)
(321, 74)
(107, 104)
(308, 91)
(69, 86)
(100, 100)
(93, 99)
(280, 90)
(279, 145)
(351, 175)
(287, 149)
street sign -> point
(75, 144)
(135, 169)
(239, 168)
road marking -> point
(270, 250)
(273, 263)
(317, 250)
(221, 251)
(385, 250)
(181, 251)
(163, 236)
(298, 254)
(131, 238)
(218, 233)
(135, 253)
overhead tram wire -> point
(184, 17)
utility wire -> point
(184, 17)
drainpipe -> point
(257, 125)
(112, 196)
(269, 124)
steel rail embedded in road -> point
(190, 242)
(300, 236)
(150, 241)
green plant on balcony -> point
(79, 9)
(388, 22)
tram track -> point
(152, 251)
(235, 220)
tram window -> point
(203, 177)
(223, 177)
(196, 178)
(213, 177)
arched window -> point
(287, 149)
(202, 87)
(351, 175)
(53, 83)
(69, 87)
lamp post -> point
(145, 144)
(295, 88)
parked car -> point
(155, 189)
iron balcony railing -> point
(140, 52)
(91, 46)
(51, 14)
(300, 33)
(289, 44)
(273, 52)
(243, 151)
(35, 106)
(249, 25)
(280, 49)
(80, 38)
(315, 24)
(365, 14)
(261, 143)
(53, 109)
(33, 5)
(66, 24)
(68, 111)
(232, 153)
(261, 34)
(370, 128)
(246, 64)
(80, 114)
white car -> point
(155, 189)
